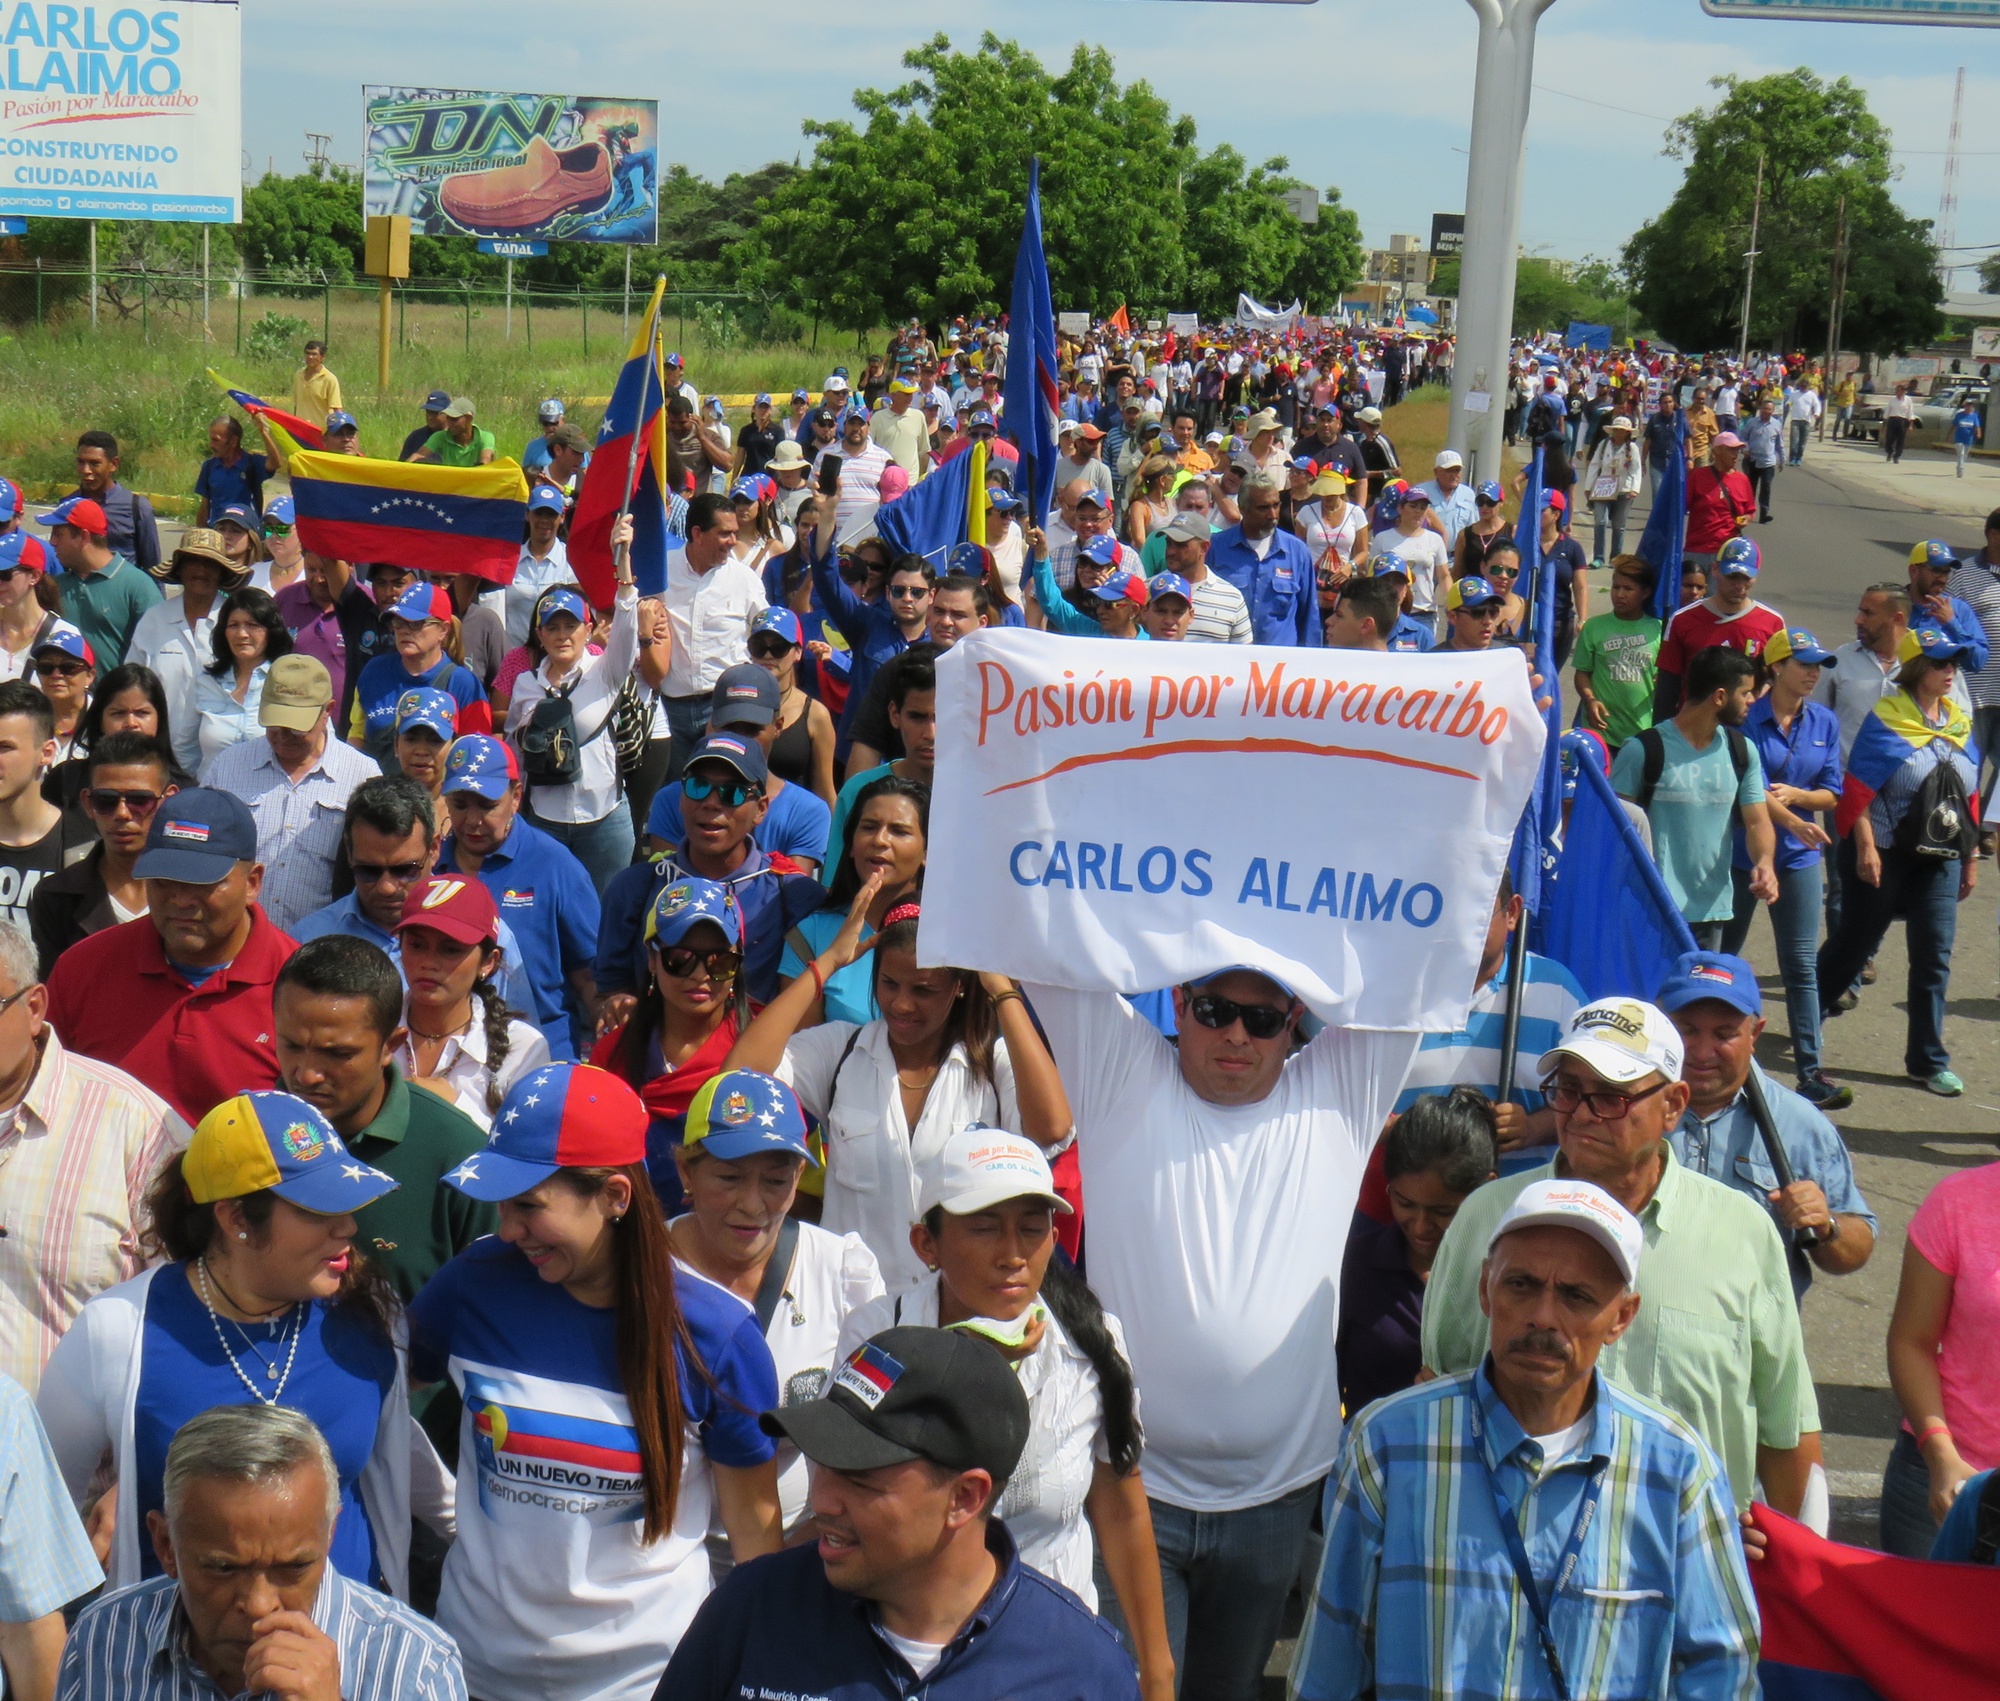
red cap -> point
(1088, 430)
(457, 905)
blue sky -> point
(1370, 97)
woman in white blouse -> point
(987, 1228)
(250, 635)
(950, 1047)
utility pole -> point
(1835, 307)
(1947, 220)
(1750, 264)
(317, 161)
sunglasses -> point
(275, 528)
(909, 590)
(678, 962)
(1260, 1021)
(9, 572)
(769, 649)
(731, 795)
(374, 873)
(1563, 1097)
(60, 670)
(102, 800)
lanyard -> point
(1517, 1549)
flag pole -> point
(1510, 1032)
(623, 553)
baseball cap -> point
(746, 490)
(561, 600)
(1066, 428)
(742, 1112)
(63, 638)
(980, 417)
(1169, 585)
(1005, 500)
(481, 764)
(459, 407)
(1577, 745)
(1448, 458)
(1410, 493)
(1092, 497)
(762, 399)
(1303, 463)
(802, 395)
(902, 386)
(1932, 643)
(551, 411)
(1104, 551)
(687, 901)
(297, 691)
(1728, 440)
(456, 905)
(78, 511)
(547, 496)
(1214, 975)
(1739, 556)
(425, 705)
(1086, 429)
(1389, 562)
(280, 511)
(782, 621)
(1555, 499)
(197, 836)
(1622, 1039)
(745, 755)
(1489, 491)
(1710, 974)
(1934, 552)
(981, 1167)
(835, 381)
(1122, 587)
(341, 420)
(422, 601)
(744, 695)
(273, 1142)
(1799, 645)
(437, 401)
(563, 1116)
(939, 1394)
(1370, 416)
(1579, 1205)
(1187, 528)
(17, 549)
(1472, 592)
(974, 560)
(10, 499)
(238, 514)
(1213, 437)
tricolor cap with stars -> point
(258, 1142)
(563, 1116)
(480, 764)
(740, 1113)
(686, 902)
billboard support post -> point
(510, 300)
(93, 274)
(625, 324)
(385, 257)
(204, 285)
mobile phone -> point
(829, 475)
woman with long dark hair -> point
(987, 1230)
(262, 1295)
(130, 698)
(950, 1047)
(610, 1406)
(29, 601)
(250, 634)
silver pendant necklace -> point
(270, 1366)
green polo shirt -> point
(418, 1138)
(106, 606)
(456, 454)
(1717, 1339)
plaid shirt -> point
(75, 1162)
(1417, 1596)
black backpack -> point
(551, 752)
(1654, 749)
(1938, 825)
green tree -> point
(304, 225)
(1989, 274)
(1818, 143)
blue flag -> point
(1608, 918)
(929, 517)
(1031, 395)
(1540, 831)
(1665, 536)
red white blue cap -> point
(741, 1113)
(78, 511)
(1103, 550)
(17, 549)
(1169, 585)
(426, 706)
(1698, 975)
(563, 1116)
(1122, 587)
(422, 601)
(10, 499)
(687, 902)
(481, 764)
(781, 621)
(66, 639)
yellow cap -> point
(229, 1155)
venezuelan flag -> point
(945, 508)
(1894, 731)
(300, 430)
(637, 413)
(431, 518)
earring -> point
(240, 1235)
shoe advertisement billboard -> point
(546, 168)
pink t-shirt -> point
(1958, 1230)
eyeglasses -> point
(273, 528)
(731, 795)
(373, 873)
(1563, 1098)
(1260, 1021)
(102, 800)
(909, 590)
(678, 962)
(769, 649)
(14, 998)
(9, 572)
(60, 670)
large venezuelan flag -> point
(1894, 731)
(1848, 1624)
(300, 430)
(637, 412)
(412, 513)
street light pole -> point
(1481, 365)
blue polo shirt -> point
(545, 896)
(777, 1627)
(1412, 636)
(1280, 589)
(223, 485)
(796, 824)
(871, 632)
(1808, 758)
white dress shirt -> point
(593, 689)
(299, 822)
(709, 615)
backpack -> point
(1938, 825)
(551, 752)
(1654, 750)
(631, 723)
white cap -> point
(1370, 416)
(1621, 1039)
(1262, 421)
(1448, 458)
(980, 1167)
(1579, 1205)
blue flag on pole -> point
(929, 517)
(1031, 396)
(1608, 918)
(1540, 831)
(1665, 536)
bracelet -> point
(1000, 998)
(1929, 1430)
(819, 980)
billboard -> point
(465, 162)
(1447, 233)
(1861, 11)
(132, 113)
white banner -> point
(1126, 815)
(1073, 324)
(126, 112)
(1184, 324)
(1257, 317)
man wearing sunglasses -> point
(126, 777)
(1222, 1174)
(1717, 1339)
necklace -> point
(271, 1371)
(463, 1027)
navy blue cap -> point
(437, 401)
(1710, 974)
(197, 836)
(237, 514)
(341, 420)
(745, 755)
(744, 695)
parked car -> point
(1932, 425)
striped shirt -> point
(299, 822)
(76, 1157)
(1221, 616)
(133, 1646)
(1975, 581)
(1417, 1596)
(1470, 1056)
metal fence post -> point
(38, 292)
(326, 307)
(242, 289)
(468, 318)
(145, 322)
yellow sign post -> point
(386, 257)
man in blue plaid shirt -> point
(1527, 1531)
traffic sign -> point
(509, 249)
(1861, 11)
(13, 227)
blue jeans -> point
(1907, 1528)
(1800, 430)
(1795, 930)
(603, 847)
(1611, 514)
(1227, 1576)
(1925, 893)
(687, 722)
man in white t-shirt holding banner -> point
(1230, 825)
